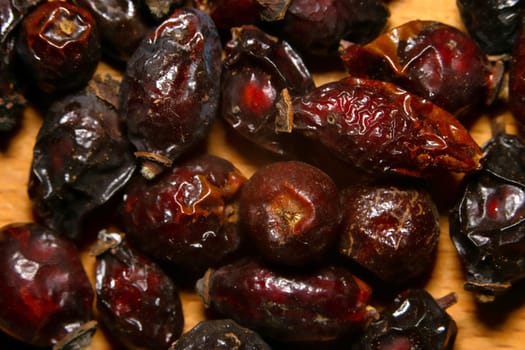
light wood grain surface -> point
(498, 326)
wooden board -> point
(498, 326)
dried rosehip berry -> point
(431, 59)
(516, 87)
(290, 211)
(381, 128)
(46, 293)
(12, 101)
(255, 69)
(493, 24)
(136, 301)
(121, 26)
(315, 27)
(392, 231)
(220, 334)
(80, 159)
(486, 224)
(186, 216)
(59, 45)
(309, 305)
(170, 90)
(414, 321)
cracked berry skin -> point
(290, 211)
(414, 321)
(487, 222)
(391, 231)
(220, 334)
(81, 159)
(493, 24)
(319, 304)
(431, 59)
(45, 290)
(59, 46)
(136, 300)
(170, 90)
(255, 69)
(187, 216)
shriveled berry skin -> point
(59, 45)
(187, 216)
(81, 158)
(309, 305)
(255, 69)
(290, 211)
(431, 59)
(493, 24)
(516, 86)
(315, 27)
(170, 89)
(414, 321)
(381, 128)
(487, 222)
(220, 334)
(121, 24)
(136, 300)
(45, 290)
(390, 230)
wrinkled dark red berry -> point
(136, 301)
(59, 45)
(221, 334)
(121, 26)
(431, 59)
(493, 24)
(187, 216)
(81, 158)
(46, 293)
(290, 211)
(380, 128)
(392, 231)
(487, 223)
(255, 69)
(170, 90)
(516, 87)
(12, 100)
(313, 305)
(414, 321)
(316, 26)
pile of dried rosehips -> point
(327, 244)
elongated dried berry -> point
(221, 334)
(319, 304)
(59, 45)
(493, 24)
(46, 293)
(136, 301)
(170, 90)
(255, 69)
(487, 223)
(80, 159)
(187, 216)
(414, 321)
(430, 59)
(381, 128)
(290, 211)
(390, 230)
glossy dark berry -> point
(220, 334)
(81, 159)
(392, 231)
(46, 293)
(59, 46)
(170, 91)
(187, 216)
(290, 212)
(136, 300)
(486, 225)
(320, 304)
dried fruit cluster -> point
(294, 254)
